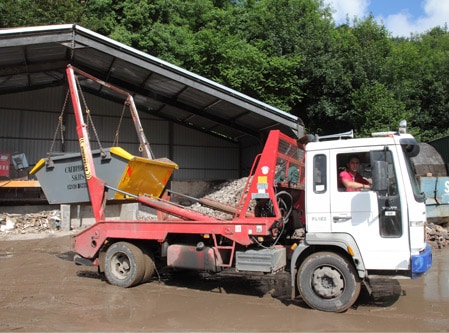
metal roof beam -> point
(34, 68)
(182, 106)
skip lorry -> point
(293, 217)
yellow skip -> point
(144, 176)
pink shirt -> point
(346, 175)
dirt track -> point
(42, 290)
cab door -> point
(318, 192)
(377, 221)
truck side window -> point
(364, 170)
(319, 174)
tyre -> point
(124, 265)
(328, 282)
(148, 260)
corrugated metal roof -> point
(36, 57)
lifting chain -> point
(115, 143)
(59, 127)
(89, 118)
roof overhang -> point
(36, 58)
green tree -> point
(419, 72)
(432, 116)
(17, 13)
(376, 106)
(352, 64)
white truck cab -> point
(383, 226)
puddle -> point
(436, 281)
(6, 255)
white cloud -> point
(398, 24)
(348, 8)
(434, 13)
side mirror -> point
(379, 173)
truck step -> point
(268, 260)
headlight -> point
(417, 223)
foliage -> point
(287, 53)
(16, 13)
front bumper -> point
(422, 262)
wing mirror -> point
(379, 173)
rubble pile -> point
(41, 222)
(437, 235)
(228, 193)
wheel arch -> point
(340, 244)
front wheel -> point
(328, 282)
(124, 264)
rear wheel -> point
(328, 282)
(124, 264)
(149, 265)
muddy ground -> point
(42, 290)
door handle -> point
(341, 218)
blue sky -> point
(401, 17)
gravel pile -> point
(227, 193)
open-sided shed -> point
(211, 131)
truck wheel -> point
(328, 282)
(124, 265)
(149, 265)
